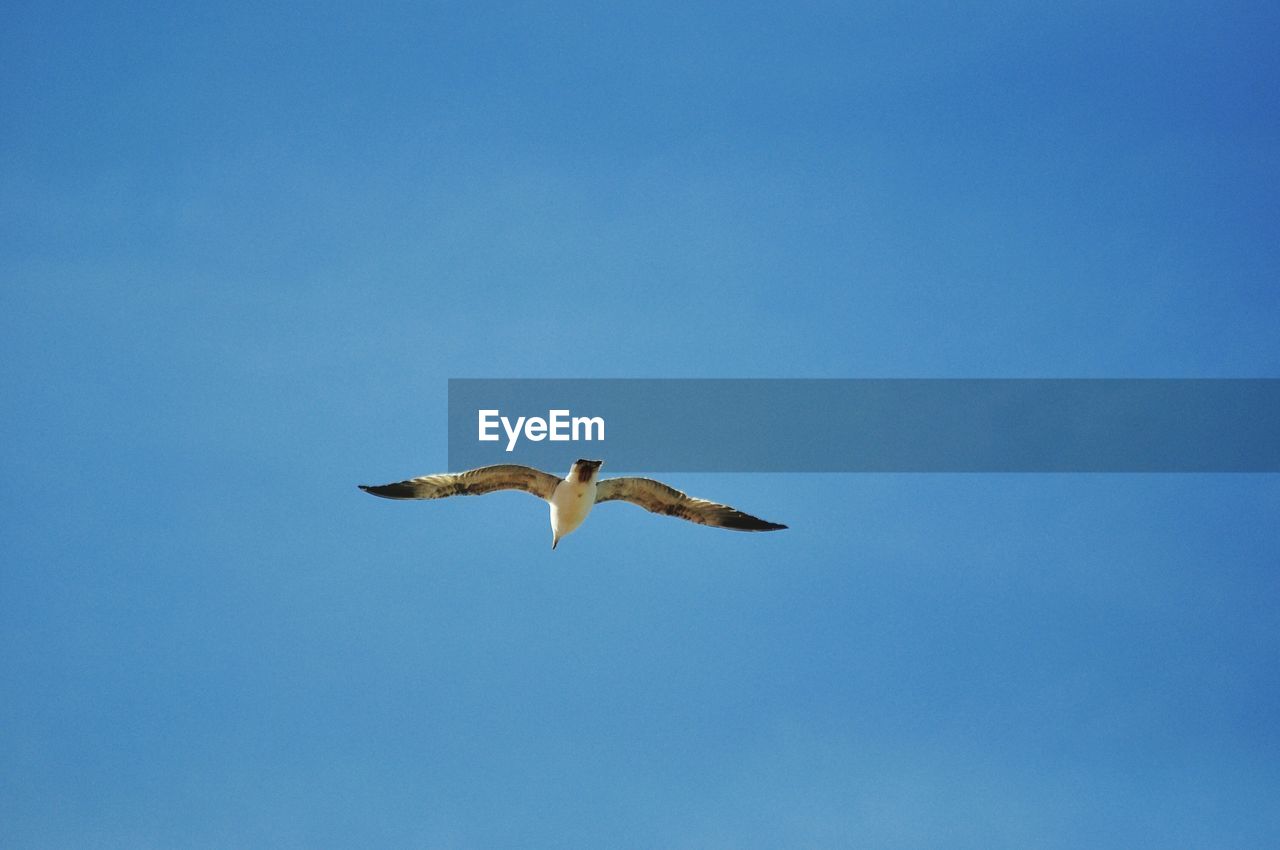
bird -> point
(571, 498)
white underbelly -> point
(570, 504)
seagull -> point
(572, 498)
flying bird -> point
(573, 497)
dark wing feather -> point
(660, 499)
(473, 482)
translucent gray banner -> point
(873, 425)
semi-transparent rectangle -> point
(884, 425)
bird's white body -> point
(571, 501)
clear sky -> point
(243, 246)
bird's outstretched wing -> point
(473, 482)
(660, 499)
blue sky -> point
(243, 249)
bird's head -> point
(585, 470)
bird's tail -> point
(554, 541)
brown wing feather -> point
(473, 482)
(658, 498)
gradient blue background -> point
(242, 248)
